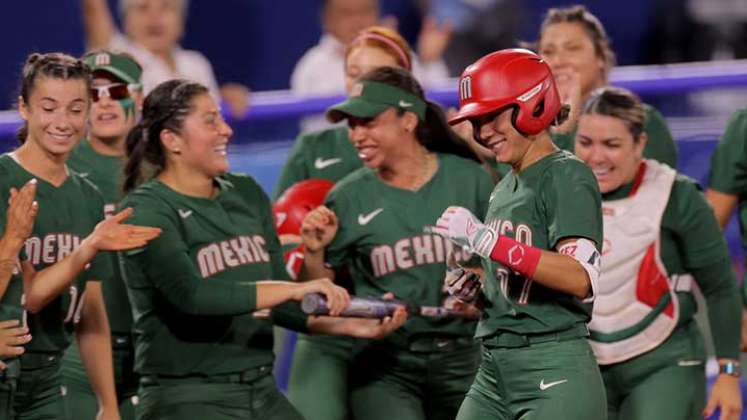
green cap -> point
(123, 66)
(369, 99)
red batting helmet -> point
(299, 199)
(514, 77)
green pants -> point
(8, 384)
(248, 396)
(38, 395)
(548, 380)
(80, 400)
(428, 380)
(667, 382)
(318, 385)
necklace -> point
(428, 169)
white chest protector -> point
(636, 306)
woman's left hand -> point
(375, 329)
(112, 235)
(108, 414)
(726, 396)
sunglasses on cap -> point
(115, 91)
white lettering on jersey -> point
(412, 252)
(234, 252)
(52, 248)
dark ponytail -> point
(434, 133)
(49, 65)
(165, 108)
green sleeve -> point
(572, 203)
(289, 315)
(660, 145)
(294, 169)
(728, 172)
(166, 263)
(273, 243)
(705, 255)
(485, 187)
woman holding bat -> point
(373, 224)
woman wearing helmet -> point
(539, 248)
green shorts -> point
(553, 376)
(251, 395)
(426, 380)
(668, 382)
(80, 400)
(38, 395)
(318, 385)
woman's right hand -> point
(337, 297)
(22, 210)
(568, 82)
(318, 229)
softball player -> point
(321, 363)
(117, 96)
(575, 45)
(727, 186)
(659, 235)
(373, 224)
(200, 350)
(539, 246)
(59, 290)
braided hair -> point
(165, 108)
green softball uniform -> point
(80, 401)
(728, 172)
(320, 363)
(424, 369)
(669, 380)
(537, 363)
(326, 154)
(660, 145)
(200, 351)
(67, 214)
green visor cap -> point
(120, 65)
(369, 99)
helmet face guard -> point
(515, 78)
(298, 200)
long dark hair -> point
(50, 65)
(434, 133)
(165, 108)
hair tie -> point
(393, 45)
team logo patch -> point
(357, 90)
(103, 59)
(465, 88)
(530, 93)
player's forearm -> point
(98, 23)
(271, 293)
(94, 341)
(719, 288)
(562, 273)
(314, 267)
(44, 286)
(723, 205)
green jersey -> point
(105, 172)
(327, 154)
(381, 236)
(67, 214)
(660, 145)
(692, 243)
(193, 288)
(557, 197)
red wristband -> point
(521, 258)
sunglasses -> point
(115, 91)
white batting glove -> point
(461, 227)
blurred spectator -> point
(480, 27)
(153, 29)
(321, 70)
